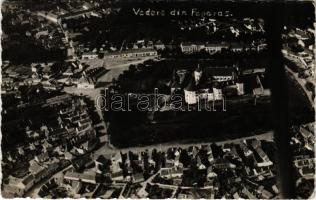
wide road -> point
(268, 136)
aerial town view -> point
(155, 99)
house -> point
(102, 164)
(87, 6)
(246, 192)
(246, 151)
(159, 45)
(236, 195)
(261, 92)
(175, 172)
(42, 157)
(108, 194)
(76, 185)
(265, 194)
(83, 177)
(90, 145)
(307, 172)
(210, 173)
(138, 177)
(265, 159)
(117, 175)
(47, 72)
(305, 133)
(302, 162)
(68, 155)
(199, 163)
(210, 156)
(82, 162)
(275, 189)
(35, 167)
(68, 72)
(227, 147)
(36, 67)
(41, 33)
(95, 73)
(17, 187)
(262, 47)
(40, 175)
(185, 196)
(223, 164)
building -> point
(190, 92)
(248, 194)
(175, 83)
(159, 45)
(220, 74)
(182, 73)
(260, 90)
(240, 86)
(217, 91)
(133, 53)
(189, 48)
(205, 83)
(75, 14)
(216, 47)
(197, 74)
(68, 72)
(236, 47)
(85, 83)
(138, 177)
(83, 177)
(307, 172)
(49, 16)
(17, 187)
(89, 55)
(265, 159)
(246, 151)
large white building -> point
(89, 55)
(189, 48)
(220, 74)
(133, 53)
(215, 47)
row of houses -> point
(132, 53)
(189, 48)
(186, 48)
(17, 187)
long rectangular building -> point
(133, 53)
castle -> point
(206, 84)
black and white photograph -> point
(158, 99)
